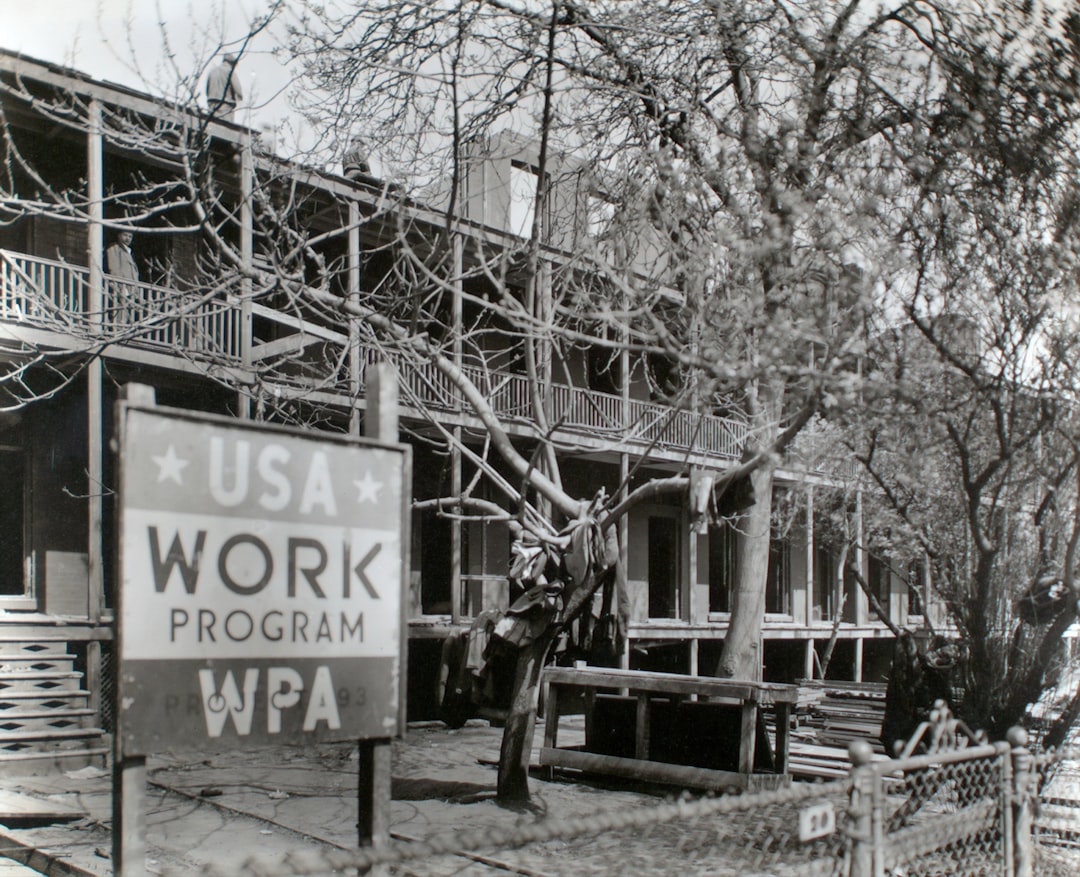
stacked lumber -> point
(830, 715)
(817, 762)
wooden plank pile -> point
(829, 716)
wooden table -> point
(560, 682)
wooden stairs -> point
(46, 722)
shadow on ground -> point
(451, 791)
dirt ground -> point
(214, 813)
(209, 811)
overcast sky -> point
(99, 37)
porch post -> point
(689, 545)
(862, 604)
(624, 421)
(95, 307)
(809, 595)
(247, 172)
(355, 361)
(458, 319)
(95, 580)
(624, 525)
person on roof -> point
(223, 88)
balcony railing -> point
(54, 296)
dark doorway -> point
(12, 476)
(663, 567)
(435, 563)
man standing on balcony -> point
(118, 259)
(223, 88)
(121, 297)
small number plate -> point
(817, 821)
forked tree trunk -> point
(741, 655)
(513, 784)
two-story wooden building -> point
(86, 159)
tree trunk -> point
(513, 783)
(741, 655)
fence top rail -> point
(977, 752)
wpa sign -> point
(262, 581)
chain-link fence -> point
(945, 813)
(991, 809)
(799, 830)
(1056, 813)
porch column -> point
(624, 533)
(862, 604)
(809, 595)
(689, 545)
(95, 580)
(355, 359)
(95, 306)
(455, 454)
(624, 461)
(247, 173)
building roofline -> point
(114, 93)
(369, 189)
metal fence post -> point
(861, 809)
(1022, 821)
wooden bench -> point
(656, 696)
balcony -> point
(53, 297)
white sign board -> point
(262, 580)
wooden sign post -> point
(261, 600)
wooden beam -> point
(283, 346)
(641, 728)
(643, 770)
(765, 693)
(298, 323)
(748, 737)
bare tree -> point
(778, 157)
(972, 454)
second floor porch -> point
(52, 304)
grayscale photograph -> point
(556, 438)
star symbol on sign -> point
(170, 467)
(368, 488)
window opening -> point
(723, 565)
